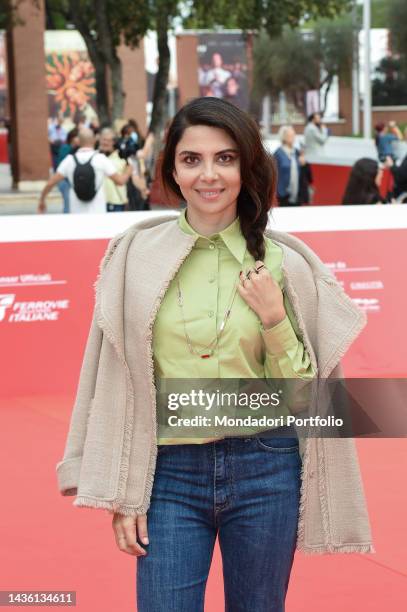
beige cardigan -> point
(110, 454)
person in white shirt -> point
(315, 135)
(102, 166)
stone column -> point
(187, 66)
(134, 84)
(28, 98)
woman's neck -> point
(206, 225)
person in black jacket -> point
(364, 182)
(400, 181)
(294, 174)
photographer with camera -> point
(129, 146)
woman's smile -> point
(207, 172)
(210, 194)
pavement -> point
(14, 202)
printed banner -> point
(47, 297)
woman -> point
(209, 295)
(364, 183)
(294, 174)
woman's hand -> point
(262, 293)
(127, 529)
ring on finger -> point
(259, 268)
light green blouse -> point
(245, 350)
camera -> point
(127, 147)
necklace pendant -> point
(206, 356)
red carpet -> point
(47, 544)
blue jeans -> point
(246, 491)
(64, 187)
(115, 207)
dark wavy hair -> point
(257, 166)
(361, 187)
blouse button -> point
(210, 313)
(212, 279)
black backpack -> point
(84, 179)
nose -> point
(209, 173)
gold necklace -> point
(209, 349)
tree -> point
(162, 14)
(104, 24)
(298, 61)
(335, 41)
(285, 63)
(398, 28)
(270, 15)
(246, 15)
(389, 87)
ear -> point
(174, 176)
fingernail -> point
(145, 540)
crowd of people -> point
(295, 178)
(98, 169)
(365, 182)
(119, 165)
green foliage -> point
(295, 61)
(379, 13)
(398, 27)
(270, 15)
(129, 20)
(6, 13)
(286, 63)
(389, 87)
(335, 40)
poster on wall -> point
(223, 67)
(70, 76)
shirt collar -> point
(231, 236)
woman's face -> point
(207, 170)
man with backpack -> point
(85, 171)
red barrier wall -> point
(3, 148)
(47, 295)
(330, 183)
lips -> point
(209, 194)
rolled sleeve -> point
(285, 356)
(280, 338)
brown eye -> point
(225, 158)
(190, 160)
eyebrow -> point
(217, 153)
